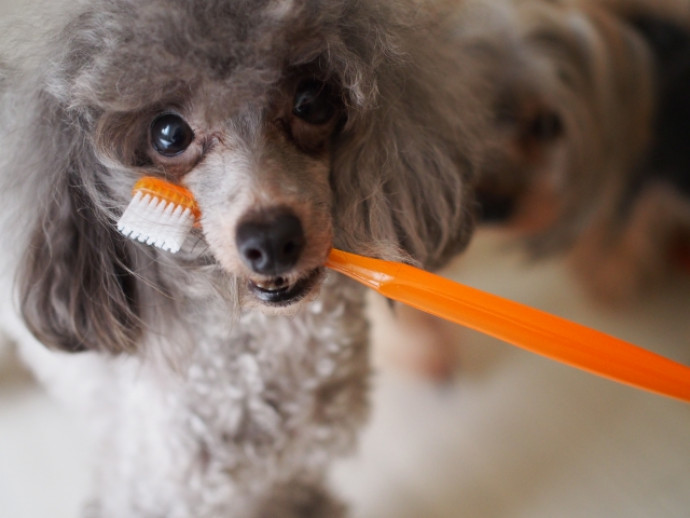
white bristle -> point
(154, 221)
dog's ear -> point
(76, 288)
(403, 166)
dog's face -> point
(247, 124)
(261, 177)
(298, 125)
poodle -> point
(223, 380)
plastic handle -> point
(520, 325)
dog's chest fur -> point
(260, 401)
(255, 383)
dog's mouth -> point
(279, 291)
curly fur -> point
(207, 401)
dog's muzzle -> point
(270, 244)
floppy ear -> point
(402, 194)
(403, 164)
(76, 288)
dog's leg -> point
(293, 500)
(618, 268)
(413, 341)
(300, 499)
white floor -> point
(514, 436)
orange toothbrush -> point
(520, 325)
(162, 214)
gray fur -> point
(207, 402)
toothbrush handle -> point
(520, 325)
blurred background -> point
(503, 434)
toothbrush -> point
(161, 214)
(518, 324)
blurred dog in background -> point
(593, 108)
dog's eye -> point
(170, 134)
(313, 102)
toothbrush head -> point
(160, 214)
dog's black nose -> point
(270, 242)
